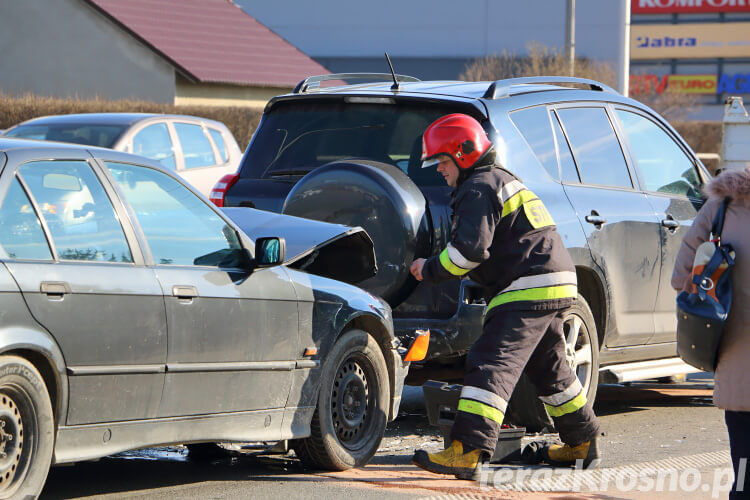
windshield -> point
(103, 136)
(297, 137)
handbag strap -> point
(718, 224)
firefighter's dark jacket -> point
(504, 239)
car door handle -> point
(670, 223)
(54, 289)
(184, 292)
(596, 219)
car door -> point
(673, 185)
(233, 332)
(90, 288)
(620, 224)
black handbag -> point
(702, 312)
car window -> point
(596, 149)
(534, 125)
(154, 142)
(568, 170)
(221, 145)
(90, 134)
(179, 227)
(296, 137)
(77, 210)
(21, 233)
(196, 148)
(664, 166)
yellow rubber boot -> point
(452, 460)
(564, 455)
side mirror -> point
(269, 251)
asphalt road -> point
(646, 426)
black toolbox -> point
(441, 401)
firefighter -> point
(504, 239)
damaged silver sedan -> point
(135, 314)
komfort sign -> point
(688, 6)
(690, 84)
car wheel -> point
(351, 415)
(582, 354)
(26, 429)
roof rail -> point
(501, 88)
(313, 82)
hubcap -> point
(349, 401)
(11, 439)
(578, 350)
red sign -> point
(684, 84)
(688, 6)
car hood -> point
(332, 250)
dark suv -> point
(620, 182)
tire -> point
(27, 429)
(344, 434)
(582, 349)
(382, 200)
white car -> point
(202, 151)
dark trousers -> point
(510, 342)
(738, 425)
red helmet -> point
(459, 136)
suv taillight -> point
(220, 189)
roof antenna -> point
(395, 81)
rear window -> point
(103, 136)
(297, 137)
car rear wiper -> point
(278, 173)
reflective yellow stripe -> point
(537, 214)
(477, 408)
(544, 293)
(449, 266)
(571, 406)
(517, 200)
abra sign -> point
(693, 41)
(688, 6)
(690, 84)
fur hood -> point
(734, 183)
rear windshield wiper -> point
(278, 173)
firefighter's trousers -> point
(512, 340)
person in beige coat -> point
(732, 377)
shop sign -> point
(691, 84)
(688, 6)
(709, 40)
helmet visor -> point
(431, 162)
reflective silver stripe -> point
(459, 259)
(564, 396)
(540, 280)
(509, 190)
(485, 397)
